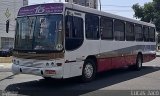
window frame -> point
(154, 39)
(74, 39)
(98, 26)
(114, 32)
(110, 20)
(136, 33)
(133, 32)
(144, 34)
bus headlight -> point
(53, 65)
(47, 64)
(14, 61)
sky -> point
(118, 7)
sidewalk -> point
(5, 67)
(158, 54)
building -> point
(8, 11)
(87, 3)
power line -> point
(9, 2)
(114, 6)
(120, 10)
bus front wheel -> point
(89, 70)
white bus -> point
(63, 40)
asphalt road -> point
(122, 79)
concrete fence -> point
(5, 59)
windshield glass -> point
(39, 33)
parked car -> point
(6, 52)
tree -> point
(150, 12)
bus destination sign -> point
(41, 9)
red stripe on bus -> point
(105, 64)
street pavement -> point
(104, 85)
(5, 67)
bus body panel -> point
(38, 67)
(77, 57)
(117, 54)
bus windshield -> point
(39, 33)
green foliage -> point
(150, 12)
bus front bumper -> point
(55, 72)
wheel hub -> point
(88, 71)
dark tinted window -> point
(73, 32)
(146, 33)
(107, 28)
(152, 34)
(119, 29)
(130, 32)
(92, 26)
(138, 33)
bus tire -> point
(139, 62)
(138, 65)
(89, 71)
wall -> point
(8, 11)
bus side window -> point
(138, 32)
(130, 31)
(68, 26)
(146, 33)
(106, 28)
(92, 26)
(73, 32)
(151, 34)
(119, 30)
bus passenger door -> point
(74, 48)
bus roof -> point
(58, 8)
(95, 11)
(40, 9)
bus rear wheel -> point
(89, 70)
(138, 65)
(139, 62)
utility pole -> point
(100, 5)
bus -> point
(64, 40)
